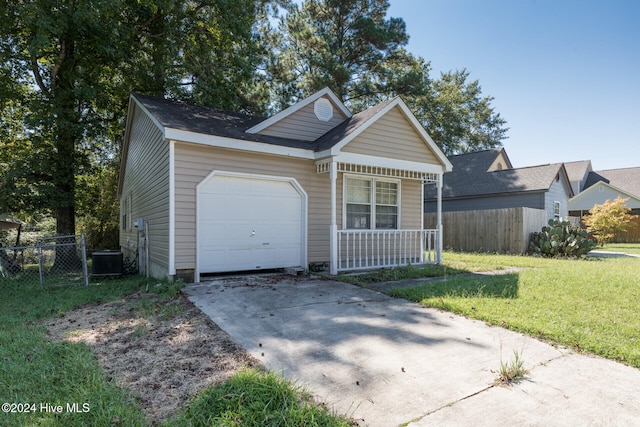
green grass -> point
(255, 399)
(399, 273)
(589, 305)
(35, 370)
(629, 248)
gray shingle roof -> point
(626, 179)
(577, 170)
(211, 121)
(470, 178)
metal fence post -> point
(40, 267)
(84, 260)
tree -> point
(607, 219)
(457, 116)
(349, 46)
(58, 58)
(203, 52)
(354, 49)
(67, 68)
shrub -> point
(561, 238)
(605, 220)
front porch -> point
(367, 249)
(362, 241)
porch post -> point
(423, 235)
(333, 240)
(439, 220)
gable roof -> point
(470, 177)
(298, 106)
(588, 194)
(626, 179)
(345, 132)
(178, 120)
(577, 170)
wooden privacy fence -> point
(632, 235)
(492, 230)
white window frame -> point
(556, 210)
(373, 180)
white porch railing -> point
(366, 249)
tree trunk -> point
(67, 131)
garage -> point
(250, 222)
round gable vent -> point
(323, 109)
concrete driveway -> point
(387, 362)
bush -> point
(561, 238)
(609, 218)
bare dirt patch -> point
(163, 352)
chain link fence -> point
(52, 261)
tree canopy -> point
(352, 47)
(67, 68)
(349, 46)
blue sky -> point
(565, 74)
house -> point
(578, 173)
(600, 186)
(208, 191)
(487, 180)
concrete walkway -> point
(389, 362)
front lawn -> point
(590, 305)
(49, 382)
(628, 248)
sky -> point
(564, 74)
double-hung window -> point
(371, 203)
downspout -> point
(333, 239)
(439, 220)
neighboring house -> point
(578, 173)
(208, 191)
(487, 180)
(600, 186)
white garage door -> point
(250, 223)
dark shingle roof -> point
(593, 178)
(211, 121)
(627, 179)
(470, 178)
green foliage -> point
(561, 239)
(98, 209)
(512, 370)
(607, 219)
(457, 116)
(66, 73)
(355, 49)
(398, 273)
(253, 398)
(350, 46)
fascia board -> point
(237, 144)
(297, 106)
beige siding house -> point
(204, 191)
